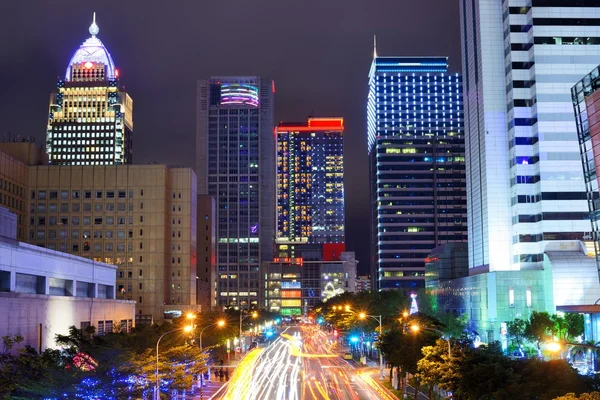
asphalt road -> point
(301, 364)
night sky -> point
(317, 51)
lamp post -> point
(218, 323)
(377, 318)
(416, 328)
(253, 315)
(156, 388)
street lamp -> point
(416, 328)
(377, 318)
(253, 315)
(156, 388)
(219, 323)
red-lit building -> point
(311, 263)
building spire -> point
(93, 27)
(374, 46)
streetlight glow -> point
(188, 328)
(362, 315)
(414, 328)
(347, 307)
(554, 347)
(191, 316)
(221, 323)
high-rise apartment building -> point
(525, 182)
(310, 181)
(141, 218)
(235, 150)
(90, 121)
(417, 165)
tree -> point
(538, 328)
(390, 344)
(543, 380)
(583, 396)
(575, 326)
(435, 365)
(516, 330)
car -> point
(348, 356)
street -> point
(300, 365)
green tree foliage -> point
(539, 327)
(516, 330)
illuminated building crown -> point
(90, 55)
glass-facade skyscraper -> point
(235, 149)
(417, 162)
(90, 120)
(310, 181)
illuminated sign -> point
(240, 94)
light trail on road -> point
(300, 365)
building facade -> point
(363, 283)
(141, 218)
(44, 292)
(586, 105)
(206, 291)
(417, 165)
(527, 200)
(293, 286)
(235, 150)
(90, 118)
(525, 182)
(15, 159)
(310, 181)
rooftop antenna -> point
(93, 27)
(374, 46)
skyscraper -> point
(417, 165)
(310, 264)
(90, 121)
(527, 208)
(235, 150)
(525, 181)
(310, 181)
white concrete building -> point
(43, 292)
(525, 182)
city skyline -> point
(165, 128)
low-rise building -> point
(141, 218)
(43, 292)
(363, 283)
(293, 285)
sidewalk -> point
(213, 386)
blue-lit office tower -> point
(417, 158)
(235, 150)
